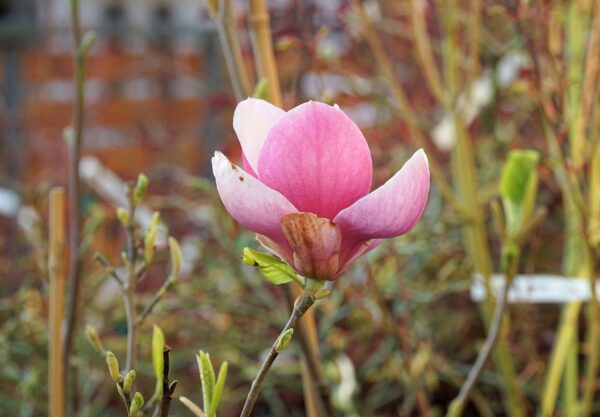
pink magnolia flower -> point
(305, 186)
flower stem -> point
(301, 306)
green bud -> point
(93, 338)
(149, 240)
(123, 216)
(284, 340)
(140, 188)
(128, 381)
(175, 258)
(137, 402)
(154, 220)
(113, 367)
(262, 89)
(87, 41)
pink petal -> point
(391, 210)
(247, 167)
(250, 202)
(252, 120)
(318, 158)
(315, 243)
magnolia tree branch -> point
(300, 307)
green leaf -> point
(273, 269)
(158, 361)
(207, 377)
(518, 187)
(218, 390)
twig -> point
(74, 188)
(223, 18)
(155, 299)
(110, 270)
(129, 294)
(302, 305)
(168, 388)
(460, 401)
(311, 358)
(57, 272)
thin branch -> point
(129, 294)
(223, 18)
(155, 299)
(302, 305)
(460, 401)
(168, 388)
(109, 269)
(75, 140)
(313, 363)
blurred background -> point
(400, 324)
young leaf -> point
(207, 377)
(273, 269)
(214, 404)
(158, 361)
(518, 187)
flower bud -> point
(123, 216)
(150, 239)
(284, 340)
(128, 381)
(175, 257)
(93, 338)
(113, 367)
(137, 402)
(140, 188)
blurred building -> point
(147, 89)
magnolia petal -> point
(252, 120)
(317, 158)
(250, 202)
(391, 210)
(283, 252)
(315, 242)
